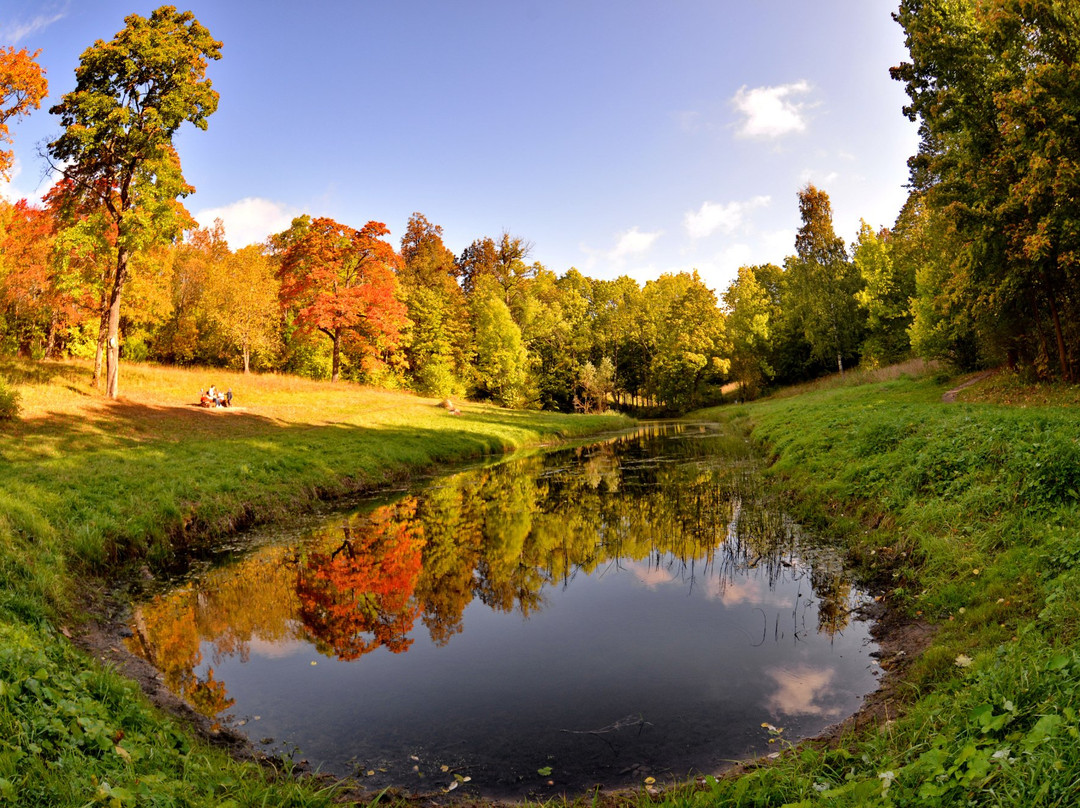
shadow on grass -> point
(21, 371)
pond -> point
(629, 608)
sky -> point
(619, 137)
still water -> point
(636, 607)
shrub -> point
(9, 402)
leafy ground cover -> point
(90, 488)
(966, 516)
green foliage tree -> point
(689, 347)
(502, 362)
(752, 305)
(994, 86)
(885, 296)
(822, 283)
(437, 336)
(597, 384)
(132, 95)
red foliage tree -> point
(339, 280)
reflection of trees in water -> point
(359, 596)
(500, 535)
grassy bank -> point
(966, 516)
(90, 487)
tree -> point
(597, 385)
(242, 301)
(195, 261)
(438, 332)
(823, 283)
(753, 307)
(502, 361)
(340, 281)
(885, 296)
(22, 86)
(132, 95)
(994, 86)
(503, 263)
(689, 342)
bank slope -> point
(90, 487)
(966, 516)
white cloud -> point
(776, 245)
(14, 32)
(249, 220)
(770, 112)
(818, 177)
(633, 241)
(14, 189)
(713, 216)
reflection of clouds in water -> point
(651, 576)
(801, 691)
(754, 591)
(732, 593)
(277, 649)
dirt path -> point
(950, 396)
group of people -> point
(213, 398)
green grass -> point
(89, 488)
(966, 516)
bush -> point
(9, 403)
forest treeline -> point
(980, 267)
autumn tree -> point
(132, 95)
(22, 86)
(28, 297)
(340, 282)
(242, 301)
(360, 596)
(437, 336)
(822, 282)
(182, 334)
(994, 88)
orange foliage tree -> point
(340, 281)
(22, 86)
(39, 297)
(361, 595)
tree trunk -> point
(50, 338)
(1063, 360)
(112, 348)
(247, 358)
(102, 338)
(335, 372)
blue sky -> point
(617, 136)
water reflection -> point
(646, 571)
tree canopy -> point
(132, 94)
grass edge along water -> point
(91, 488)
